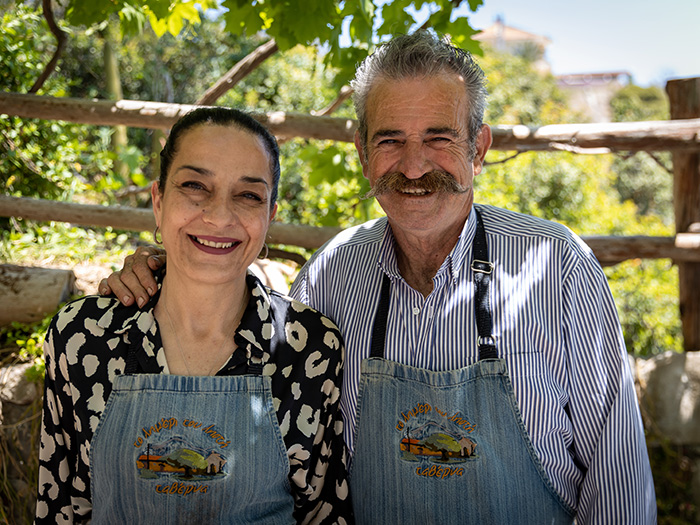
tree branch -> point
(659, 162)
(60, 44)
(345, 92)
(238, 72)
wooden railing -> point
(681, 136)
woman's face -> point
(214, 210)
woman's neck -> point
(197, 323)
(204, 308)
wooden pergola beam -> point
(609, 250)
(141, 219)
(677, 135)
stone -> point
(15, 387)
(669, 386)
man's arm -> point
(608, 433)
(135, 282)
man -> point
(486, 378)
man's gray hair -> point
(421, 54)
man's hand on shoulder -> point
(135, 282)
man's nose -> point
(414, 163)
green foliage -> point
(365, 23)
(633, 103)
(291, 22)
(163, 15)
(646, 295)
(643, 178)
(518, 94)
(28, 339)
(46, 159)
(61, 243)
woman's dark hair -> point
(220, 116)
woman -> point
(216, 401)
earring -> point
(267, 252)
(155, 236)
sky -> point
(654, 41)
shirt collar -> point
(256, 319)
(452, 264)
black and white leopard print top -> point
(87, 344)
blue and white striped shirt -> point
(555, 324)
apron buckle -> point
(482, 266)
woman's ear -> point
(157, 200)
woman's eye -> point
(252, 196)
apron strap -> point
(482, 270)
(132, 363)
(380, 320)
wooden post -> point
(684, 97)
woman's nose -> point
(219, 213)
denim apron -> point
(189, 449)
(447, 447)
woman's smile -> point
(214, 245)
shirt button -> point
(416, 310)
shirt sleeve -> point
(318, 470)
(298, 290)
(63, 492)
(609, 440)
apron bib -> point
(190, 449)
(451, 446)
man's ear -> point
(362, 154)
(483, 143)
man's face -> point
(415, 126)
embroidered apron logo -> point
(430, 435)
(174, 457)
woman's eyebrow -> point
(197, 169)
(255, 180)
(204, 171)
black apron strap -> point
(482, 269)
(132, 362)
(380, 319)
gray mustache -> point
(436, 181)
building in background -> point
(589, 93)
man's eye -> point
(192, 185)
